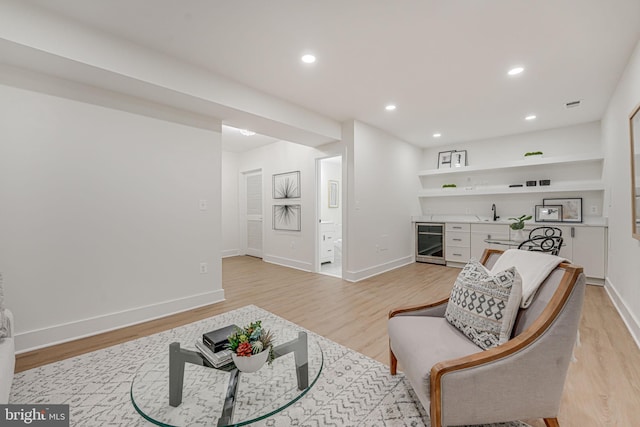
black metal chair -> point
(543, 239)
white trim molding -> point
(230, 252)
(45, 337)
(627, 316)
(356, 276)
(288, 262)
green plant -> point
(533, 153)
(519, 222)
(449, 186)
(251, 339)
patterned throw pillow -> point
(484, 306)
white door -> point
(253, 187)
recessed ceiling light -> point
(308, 58)
(246, 132)
(515, 71)
(437, 135)
(390, 107)
(530, 117)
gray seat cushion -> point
(420, 342)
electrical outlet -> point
(594, 210)
(204, 269)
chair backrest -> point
(543, 295)
(550, 244)
(546, 232)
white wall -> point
(566, 141)
(623, 281)
(230, 213)
(382, 197)
(100, 223)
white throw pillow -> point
(484, 306)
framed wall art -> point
(286, 185)
(551, 213)
(571, 208)
(458, 159)
(286, 217)
(333, 194)
(444, 159)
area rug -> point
(353, 390)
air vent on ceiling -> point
(572, 104)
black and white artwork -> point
(444, 159)
(286, 185)
(549, 213)
(286, 217)
(458, 158)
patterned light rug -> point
(353, 390)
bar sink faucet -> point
(495, 212)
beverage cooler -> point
(430, 242)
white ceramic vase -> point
(519, 236)
(251, 363)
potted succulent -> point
(518, 225)
(251, 347)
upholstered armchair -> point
(459, 383)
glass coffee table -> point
(181, 388)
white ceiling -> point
(443, 62)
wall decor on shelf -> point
(444, 159)
(333, 194)
(286, 217)
(459, 159)
(551, 213)
(571, 208)
(286, 185)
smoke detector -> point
(572, 104)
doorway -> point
(330, 216)
(252, 224)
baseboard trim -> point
(627, 316)
(356, 276)
(58, 334)
(288, 262)
(230, 252)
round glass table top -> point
(207, 392)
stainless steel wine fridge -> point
(430, 242)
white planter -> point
(519, 236)
(251, 363)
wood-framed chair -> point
(461, 384)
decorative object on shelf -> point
(533, 153)
(251, 347)
(551, 213)
(286, 217)
(444, 159)
(449, 186)
(545, 182)
(571, 208)
(519, 222)
(286, 185)
(459, 159)
(531, 183)
(634, 130)
(333, 194)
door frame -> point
(318, 215)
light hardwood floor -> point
(602, 388)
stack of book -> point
(213, 346)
